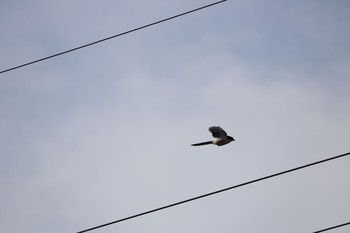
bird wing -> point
(217, 132)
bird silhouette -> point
(220, 137)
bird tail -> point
(202, 143)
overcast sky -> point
(105, 132)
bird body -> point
(220, 137)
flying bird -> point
(220, 137)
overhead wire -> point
(218, 191)
(111, 37)
(331, 228)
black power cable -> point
(111, 37)
(216, 192)
(331, 228)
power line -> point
(331, 228)
(111, 37)
(216, 192)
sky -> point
(104, 132)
